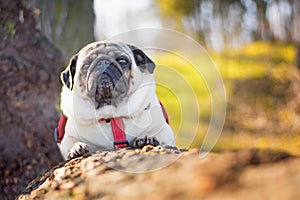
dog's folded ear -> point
(142, 60)
(67, 76)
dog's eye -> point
(123, 62)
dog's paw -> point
(78, 149)
(140, 142)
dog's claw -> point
(78, 149)
(140, 142)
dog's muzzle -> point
(106, 82)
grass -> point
(184, 91)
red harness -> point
(117, 127)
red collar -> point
(117, 126)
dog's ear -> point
(67, 76)
(142, 60)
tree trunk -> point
(29, 91)
(69, 24)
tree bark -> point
(29, 91)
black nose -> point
(109, 69)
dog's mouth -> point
(104, 91)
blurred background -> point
(217, 24)
(253, 43)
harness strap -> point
(117, 127)
(59, 132)
(164, 110)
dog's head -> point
(104, 71)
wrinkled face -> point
(102, 71)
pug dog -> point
(105, 81)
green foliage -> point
(10, 28)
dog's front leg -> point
(140, 142)
(71, 147)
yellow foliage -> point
(175, 76)
(175, 10)
(275, 51)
